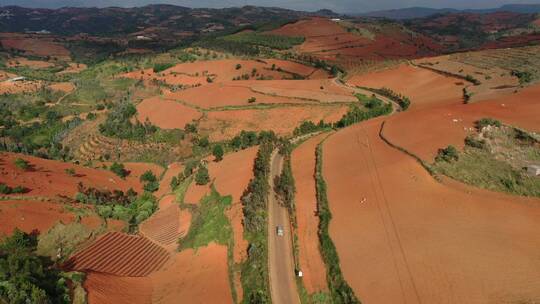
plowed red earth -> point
(7, 87)
(227, 124)
(119, 254)
(423, 132)
(329, 40)
(49, 178)
(419, 241)
(231, 177)
(194, 277)
(65, 87)
(303, 168)
(425, 88)
(164, 227)
(105, 288)
(166, 114)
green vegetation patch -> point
(209, 224)
(62, 240)
(26, 277)
(267, 40)
(494, 159)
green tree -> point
(202, 177)
(22, 164)
(119, 170)
(148, 176)
(218, 152)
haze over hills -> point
(421, 12)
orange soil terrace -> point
(49, 178)
(34, 45)
(66, 87)
(196, 73)
(237, 93)
(35, 64)
(419, 241)
(327, 39)
(424, 88)
(450, 124)
(227, 124)
(303, 168)
(165, 113)
(119, 254)
(14, 87)
(74, 68)
(105, 288)
(230, 176)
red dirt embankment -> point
(423, 132)
(49, 177)
(311, 262)
(194, 277)
(420, 241)
(119, 254)
(165, 184)
(165, 113)
(423, 87)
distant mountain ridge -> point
(422, 12)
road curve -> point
(280, 249)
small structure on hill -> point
(533, 170)
(15, 79)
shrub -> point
(91, 116)
(202, 177)
(447, 154)
(151, 186)
(204, 142)
(484, 122)
(474, 142)
(148, 176)
(190, 128)
(70, 171)
(174, 183)
(119, 170)
(160, 67)
(218, 152)
(22, 164)
(252, 100)
(473, 80)
(238, 66)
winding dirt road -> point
(280, 249)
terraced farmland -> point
(164, 226)
(120, 254)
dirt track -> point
(280, 258)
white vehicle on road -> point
(279, 230)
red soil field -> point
(227, 124)
(536, 22)
(452, 123)
(237, 93)
(35, 64)
(49, 178)
(424, 88)
(74, 68)
(119, 254)
(311, 262)
(231, 177)
(105, 288)
(327, 39)
(5, 75)
(8, 87)
(420, 241)
(34, 45)
(164, 227)
(194, 277)
(166, 114)
(29, 215)
(165, 184)
(65, 87)
(148, 75)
